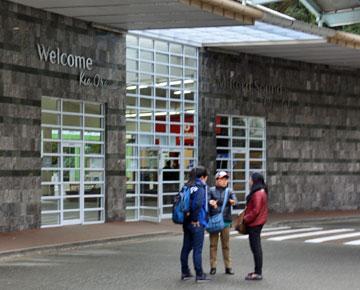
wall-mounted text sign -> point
(56, 56)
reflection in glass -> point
(50, 161)
(93, 189)
(49, 205)
(94, 175)
(50, 219)
(256, 143)
(93, 148)
(94, 162)
(71, 161)
(50, 176)
(50, 133)
(222, 142)
(71, 175)
(50, 190)
(71, 135)
(131, 188)
(161, 45)
(146, 188)
(93, 202)
(71, 107)
(148, 201)
(71, 189)
(93, 122)
(93, 216)
(71, 150)
(93, 136)
(49, 119)
(73, 121)
(257, 122)
(94, 109)
(49, 104)
(238, 143)
(71, 203)
(74, 215)
(239, 122)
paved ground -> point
(74, 235)
(154, 264)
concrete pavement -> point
(154, 264)
(23, 242)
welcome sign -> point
(56, 56)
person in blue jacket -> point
(195, 224)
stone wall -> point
(313, 125)
(24, 79)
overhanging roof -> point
(266, 40)
(134, 14)
(274, 36)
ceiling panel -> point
(133, 14)
(320, 53)
(331, 5)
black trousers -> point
(255, 246)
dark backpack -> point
(181, 205)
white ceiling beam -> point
(262, 2)
(339, 18)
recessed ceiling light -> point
(16, 28)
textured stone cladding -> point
(24, 79)
(313, 125)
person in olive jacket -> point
(216, 196)
(255, 217)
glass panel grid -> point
(162, 97)
(240, 145)
(76, 143)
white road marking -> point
(353, 243)
(303, 235)
(275, 229)
(333, 238)
(277, 233)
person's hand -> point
(213, 203)
(195, 224)
(232, 202)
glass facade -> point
(73, 162)
(241, 150)
(161, 124)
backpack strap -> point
(225, 199)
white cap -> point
(221, 174)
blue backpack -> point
(181, 205)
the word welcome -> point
(55, 56)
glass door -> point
(240, 173)
(170, 179)
(72, 174)
(148, 184)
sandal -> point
(253, 277)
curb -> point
(72, 245)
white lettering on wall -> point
(55, 56)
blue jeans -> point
(193, 240)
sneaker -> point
(253, 277)
(202, 279)
(212, 271)
(229, 271)
(185, 277)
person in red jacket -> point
(255, 217)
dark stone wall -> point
(24, 79)
(313, 125)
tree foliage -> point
(295, 9)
